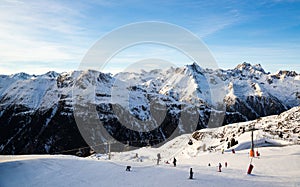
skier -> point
(158, 158)
(220, 166)
(233, 151)
(257, 153)
(174, 161)
(190, 142)
(191, 173)
(225, 164)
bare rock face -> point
(37, 112)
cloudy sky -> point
(39, 36)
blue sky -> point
(39, 36)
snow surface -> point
(277, 166)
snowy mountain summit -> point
(38, 112)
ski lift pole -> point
(252, 145)
(251, 153)
(109, 154)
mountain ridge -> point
(33, 106)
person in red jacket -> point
(257, 154)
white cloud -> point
(38, 36)
(212, 24)
(45, 31)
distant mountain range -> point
(37, 111)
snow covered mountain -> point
(37, 112)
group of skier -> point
(175, 162)
(219, 166)
(167, 162)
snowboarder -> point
(220, 166)
(174, 161)
(158, 158)
(225, 164)
(208, 164)
(190, 142)
(191, 173)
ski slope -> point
(277, 166)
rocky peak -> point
(195, 68)
(51, 74)
(250, 68)
(22, 76)
(287, 73)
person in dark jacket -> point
(219, 167)
(174, 161)
(158, 158)
(191, 173)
